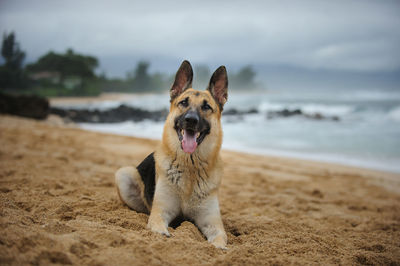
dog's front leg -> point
(208, 219)
(164, 209)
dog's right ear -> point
(183, 80)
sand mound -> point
(59, 205)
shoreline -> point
(337, 159)
(103, 97)
(344, 160)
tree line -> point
(74, 74)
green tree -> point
(158, 82)
(11, 73)
(64, 74)
(142, 77)
(139, 79)
(243, 79)
(69, 64)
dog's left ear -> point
(183, 80)
(218, 86)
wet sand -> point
(59, 205)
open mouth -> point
(190, 139)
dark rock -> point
(298, 112)
(318, 116)
(30, 106)
(120, 114)
(284, 113)
(287, 113)
(231, 112)
(234, 111)
(252, 111)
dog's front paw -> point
(220, 242)
(158, 228)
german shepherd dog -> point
(182, 176)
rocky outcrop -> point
(234, 111)
(38, 108)
(126, 113)
(30, 106)
(120, 114)
(298, 112)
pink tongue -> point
(189, 143)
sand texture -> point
(59, 206)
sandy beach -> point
(59, 206)
(72, 101)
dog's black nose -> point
(192, 118)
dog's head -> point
(194, 118)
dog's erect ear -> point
(218, 86)
(183, 80)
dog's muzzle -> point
(191, 130)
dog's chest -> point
(174, 174)
(190, 179)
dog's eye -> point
(206, 107)
(184, 103)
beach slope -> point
(59, 205)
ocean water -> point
(366, 134)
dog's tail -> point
(130, 189)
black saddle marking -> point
(147, 171)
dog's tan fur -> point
(185, 183)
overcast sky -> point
(353, 36)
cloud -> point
(370, 55)
(338, 35)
